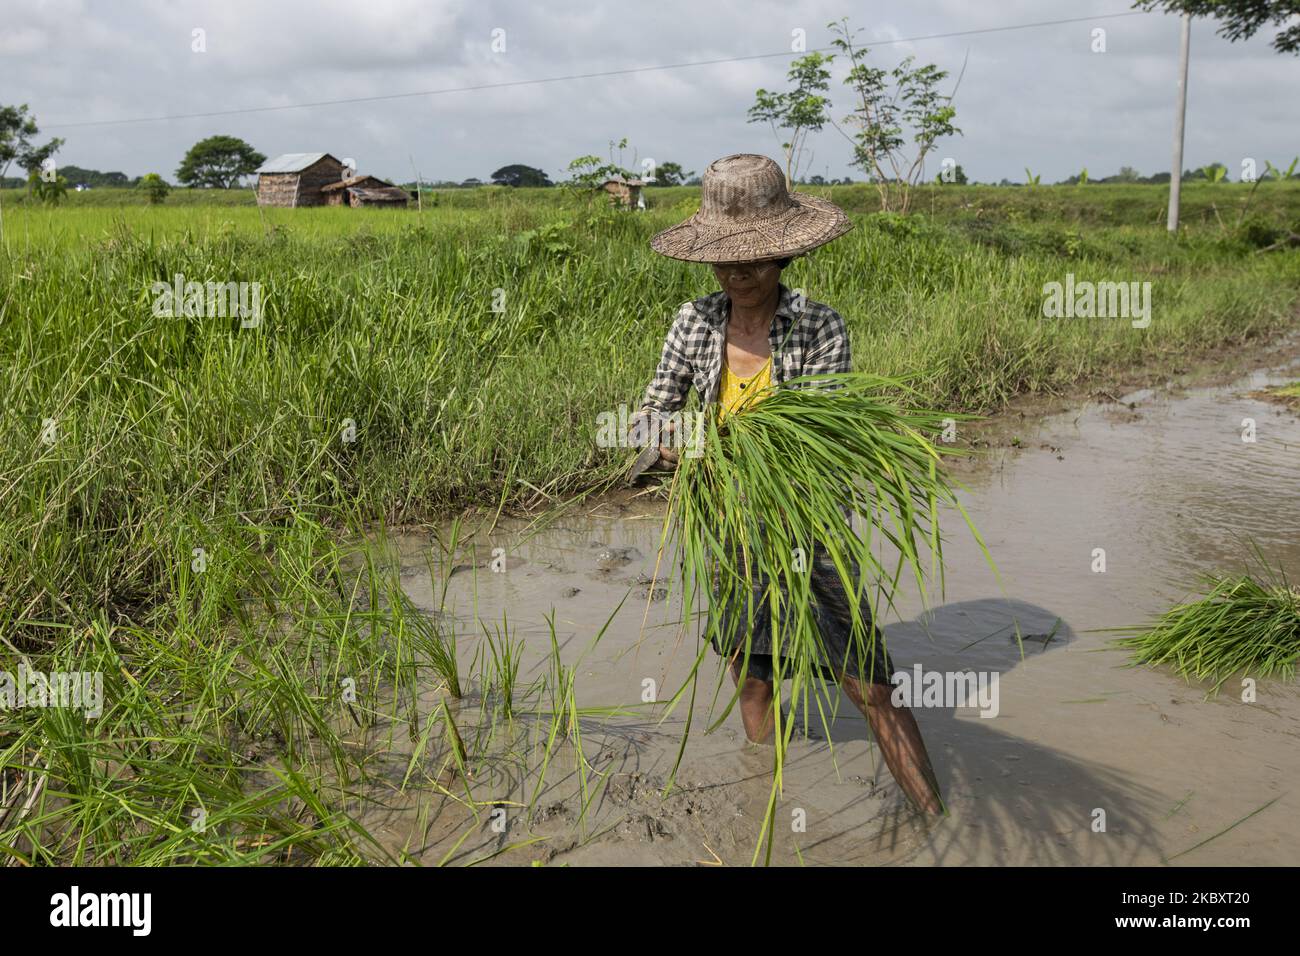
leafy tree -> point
(802, 110)
(882, 116)
(589, 172)
(1241, 19)
(17, 129)
(154, 187)
(958, 177)
(47, 190)
(520, 175)
(218, 162)
(670, 174)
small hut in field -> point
(624, 192)
(365, 191)
(297, 179)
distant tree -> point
(17, 130)
(1241, 19)
(958, 177)
(520, 175)
(670, 174)
(218, 162)
(78, 175)
(154, 187)
(1215, 172)
(802, 110)
(472, 182)
(1127, 174)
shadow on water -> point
(1014, 800)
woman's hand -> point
(667, 453)
(642, 433)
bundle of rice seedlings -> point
(1241, 625)
(788, 472)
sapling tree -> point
(589, 172)
(890, 104)
(154, 187)
(48, 189)
(801, 110)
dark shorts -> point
(834, 624)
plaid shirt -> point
(806, 338)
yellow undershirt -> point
(735, 392)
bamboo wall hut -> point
(296, 179)
(624, 192)
(360, 191)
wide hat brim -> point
(809, 223)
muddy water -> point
(1087, 761)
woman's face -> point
(749, 284)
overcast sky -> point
(1035, 97)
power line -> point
(576, 76)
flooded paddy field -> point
(1099, 517)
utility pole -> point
(1180, 115)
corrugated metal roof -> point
(292, 162)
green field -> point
(127, 440)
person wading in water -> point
(730, 346)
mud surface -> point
(1159, 479)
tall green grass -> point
(172, 435)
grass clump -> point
(1241, 625)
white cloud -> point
(1035, 97)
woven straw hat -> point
(746, 213)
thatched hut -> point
(365, 191)
(296, 179)
(624, 192)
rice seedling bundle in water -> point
(782, 476)
(1241, 625)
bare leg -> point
(755, 705)
(900, 741)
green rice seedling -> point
(432, 642)
(1242, 625)
(782, 476)
(506, 655)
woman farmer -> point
(730, 346)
